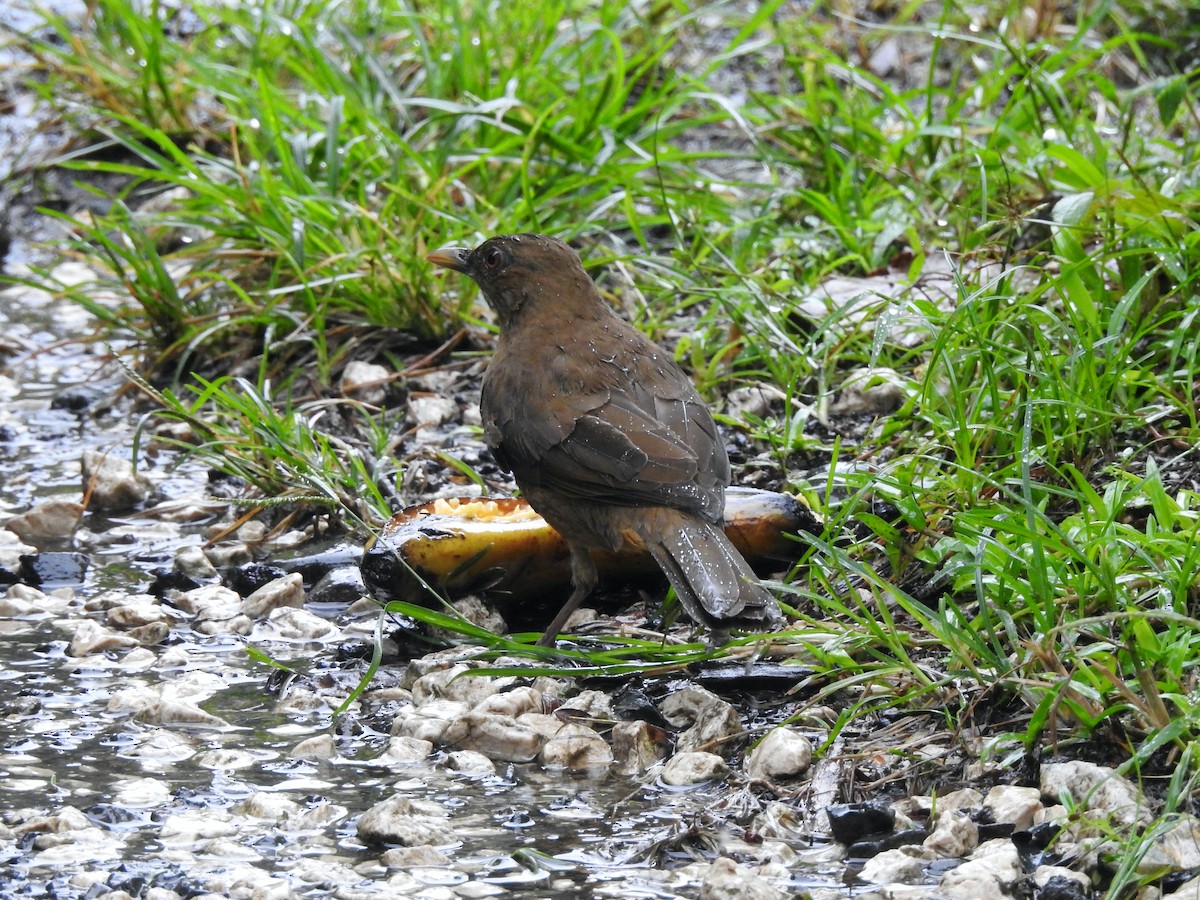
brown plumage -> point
(603, 432)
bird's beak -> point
(450, 258)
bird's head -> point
(515, 271)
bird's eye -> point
(493, 259)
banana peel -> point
(461, 546)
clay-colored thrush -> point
(604, 433)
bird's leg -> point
(583, 577)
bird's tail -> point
(714, 583)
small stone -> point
(903, 865)
(714, 723)
(398, 820)
(783, 753)
(1013, 805)
(429, 722)
(142, 609)
(497, 737)
(1176, 848)
(92, 637)
(192, 562)
(290, 624)
(576, 748)
(365, 381)
(966, 798)
(414, 857)
(265, 805)
(469, 762)
(872, 392)
(49, 521)
(985, 876)
(150, 634)
(229, 553)
(514, 703)
(955, 835)
(287, 591)
(637, 745)
(12, 548)
(109, 482)
(726, 880)
(595, 705)
(693, 767)
(320, 746)
(407, 749)
(1099, 788)
(22, 600)
(431, 410)
(456, 683)
(209, 602)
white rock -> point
(290, 624)
(966, 798)
(783, 753)
(469, 762)
(142, 609)
(456, 683)
(287, 591)
(428, 722)
(207, 602)
(66, 819)
(92, 637)
(877, 391)
(1176, 848)
(408, 749)
(693, 767)
(265, 805)
(229, 553)
(429, 411)
(1098, 788)
(110, 483)
(713, 721)
(576, 748)
(726, 880)
(22, 600)
(496, 737)
(545, 724)
(399, 820)
(142, 793)
(192, 562)
(410, 857)
(637, 745)
(986, 875)
(903, 865)
(48, 521)
(12, 548)
(365, 381)
(1013, 805)
(589, 705)
(320, 746)
(193, 826)
(520, 700)
(954, 835)
(246, 880)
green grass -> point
(1027, 190)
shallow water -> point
(95, 796)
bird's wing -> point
(627, 449)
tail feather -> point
(715, 585)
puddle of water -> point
(229, 809)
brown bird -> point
(604, 433)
